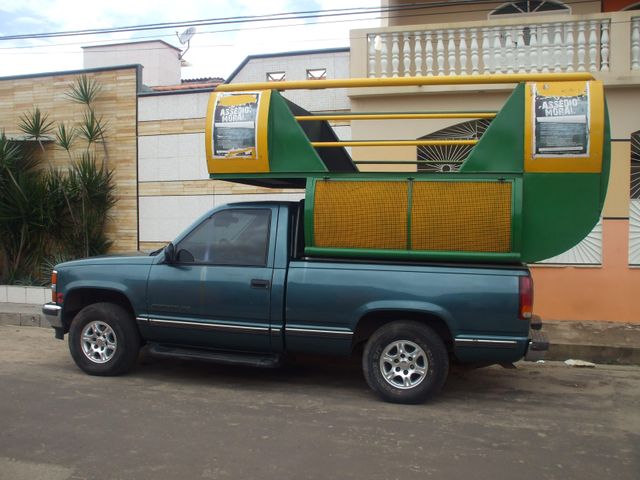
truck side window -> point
(229, 237)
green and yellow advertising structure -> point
(531, 187)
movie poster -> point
(235, 126)
(561, 125)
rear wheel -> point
(103, 340)
(405, 362)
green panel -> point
(516, 215)
(310, 197)
(409, 210)
(289, 147)
(439, 256)
(559, 210)
(501, 148)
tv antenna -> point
(185, 37)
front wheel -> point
(405, 362)
(103, 340)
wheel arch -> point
(76, 299)
(373, 320)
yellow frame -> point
(259, 164)
(405, 81)
(589, 163)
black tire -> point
(411, 381)
(112, 342)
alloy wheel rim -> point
(404, 364)
(99, 342)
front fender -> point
(128, 280)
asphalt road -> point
(182, 420)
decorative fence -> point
(635, 43)
(564, 46)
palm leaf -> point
(65, 136)
(84, 90)
(35, 125)
(91, 128)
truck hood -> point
(136, 259)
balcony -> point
(608, 45)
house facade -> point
(595, 280)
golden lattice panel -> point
(360, 214)
(461, 216)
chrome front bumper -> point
(53, 314)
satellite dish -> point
(185, 36)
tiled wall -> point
(116, 103)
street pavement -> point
(314, 419)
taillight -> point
(526, 297)
(54, 281)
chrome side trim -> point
(156, 322)
(317, 332)
(482, 342)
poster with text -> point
(235, 121)
(561, 125)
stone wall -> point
(117, 104)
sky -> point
(213, 52)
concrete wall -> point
(116, 104)
(467, 13)
(604, 293)
(295, 68)
(160, 60)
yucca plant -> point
(52, 215)
(24, 224)
(90, 187)
(84, 90)
(91, 128)
(65, 137)
(35, 125)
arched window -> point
(530, 6)
(448, 158)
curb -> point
(610, 355)
(22, 315)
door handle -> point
(257, 283)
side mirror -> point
(170, 253)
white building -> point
(318, 65)
(160, 60)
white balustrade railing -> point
(635, 43)
(574, 46)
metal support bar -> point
(392, 143)
(393, 116)
(406, 81)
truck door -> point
(217, 293)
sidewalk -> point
(598, 342)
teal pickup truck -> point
(237, 288)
